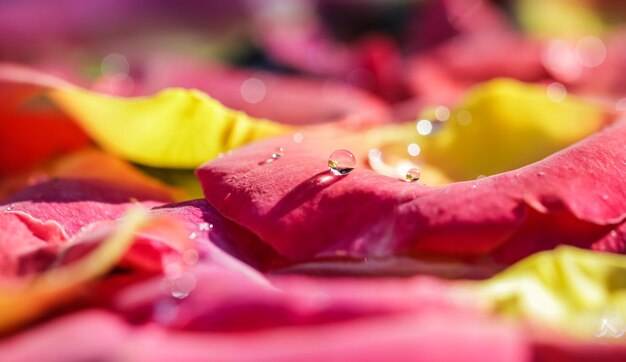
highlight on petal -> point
(176, 128)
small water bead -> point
(204, 226)
(278, 153)
(10, 207)
(412, 175)
(190, 256)
(424, 127)
(442, 113)
(556, 92)
(464, 118)
(193, 235)
(414, 149)
(341, 162)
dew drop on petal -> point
(414, 149)
(186, 283)
(278, 153)
(464, 118)
(253, 90)
(172, 271)
(412, 175)
(590, 51)
(424, 127)
(10, 207)
(203, 226)
(193, 235)
(605, 197)
(178, 294)
(114, 64)
(442, 113)
(341, 162)
(556, 92)
(190, 256)
(298, 138)
(165, 312)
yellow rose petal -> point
(580, 292)
(176, 128)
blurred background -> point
(368, 61)
(399, 50)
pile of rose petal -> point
(165, 191)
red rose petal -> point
(75, 203)
(366, 214)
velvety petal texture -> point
(297, 195)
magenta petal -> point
(215, 235)
(424, 338)
(22, 236)
(367, 214)
(74, 203)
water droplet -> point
(442, 113)
(414, 149)
(374, 154)
(341, 162)
(590, 51)
(541, 173)
(10, 207)
(114, 64)
(179, 295)
(203, 226)
(424, 127)
(412, 175)
(193, 235)
(474, 186)
(278, 153)
(556, 92)
(186, 283)
(605, 197)
(190, 256)
(298, 138)
(253, 90)
(165, 312)
(613, 233)
(560, 58)
(173, 271)
(464, 118)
